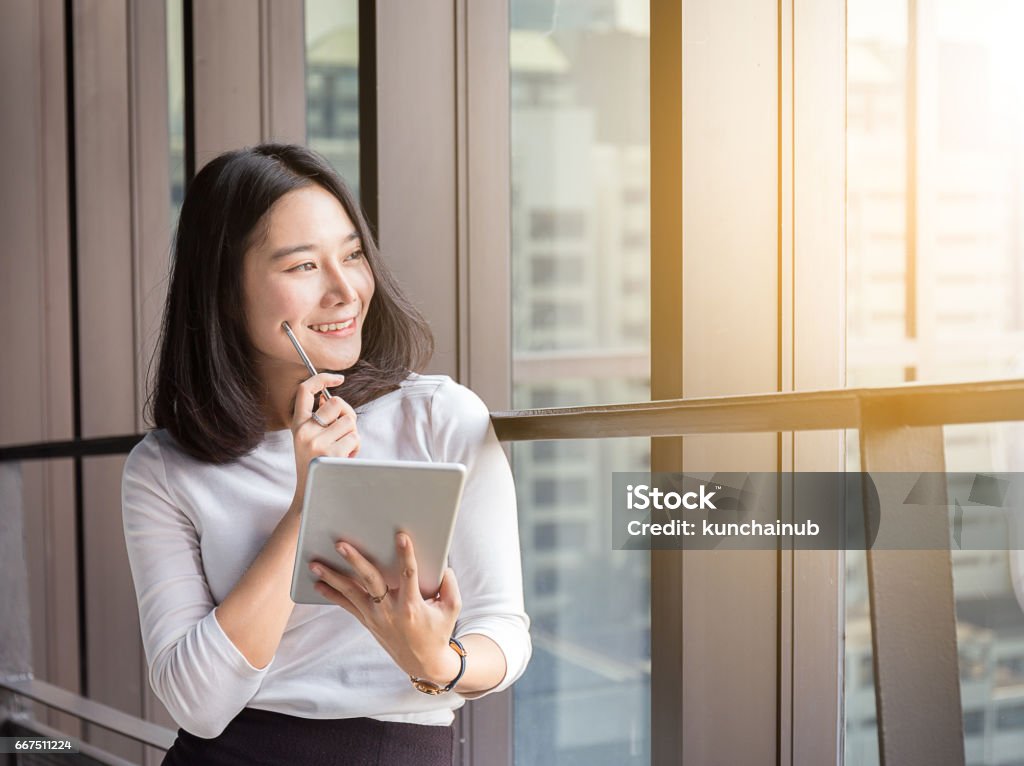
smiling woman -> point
(322, 288)
(269, 238)
(278, 249)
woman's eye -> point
(302, 267)
(355, 255)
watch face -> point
(427, 687)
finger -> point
(347, 446)
(449, 593)
(328, 443)
(348, 588)
(331, 409)
(312, 430)
(333, 431)
(367, 574)
(346, 408)
(338, 409)
(325, 440)
(410, 584)
(358, 445)
(303, 406)
(338, 599)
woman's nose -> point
(339, 288)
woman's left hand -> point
(413, 630)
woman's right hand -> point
(339, 438)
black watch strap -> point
(429, 687)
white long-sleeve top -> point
(193, 528)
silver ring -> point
(382, 596)
(320, 421)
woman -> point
(212, 497)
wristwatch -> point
(429, 687)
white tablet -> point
(366, 502)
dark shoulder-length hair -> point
(207, 392)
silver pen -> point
(302, 355)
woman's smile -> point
(338, 329)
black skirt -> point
(262, 738)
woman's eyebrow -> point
(292, 249)
(289, 250)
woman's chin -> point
(323, 359)
(335, 362)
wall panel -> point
(249, 74)
(416, 128)
(36, 386)
(104, 234)
(226, 65)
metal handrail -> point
(86, 709)
(913, 404)
(103, 445)
(910, 405)
(26, 725)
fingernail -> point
(342, 549)
(316, 570)
(403, 540)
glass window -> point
(580, 315)
(545, 582)
(557, 224)
(560, 452)
(585, 697)
(555, 271)
(935, 285)
(1011, 717)
(549, 535)
(552, 315)
(580, 209)
(176, 103)
(580, 176)
(974, 722)
(563, 490)
(332, 84)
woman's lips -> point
(344, 332)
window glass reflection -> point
(581, 318)
(332, 84)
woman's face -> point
(310, 271)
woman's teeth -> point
(331, 327)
